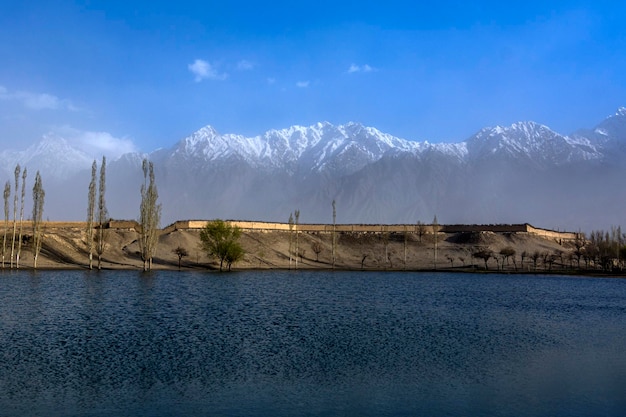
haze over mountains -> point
(521, 173)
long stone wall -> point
(320, 228)
(381, 228)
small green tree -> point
(221, 240)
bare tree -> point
(290, 238)
(484, 254)
(535, 256)
(435, 227)
(19, 241)
(102, 215)
(420, 229)
(334, 234)
(91, 212)
(506, 253)
(450, 259)
(385, 238)
(17, 171)
(317, 249)
(7, 195)
(181, 253)
(406, 240)
(149, 216)
(297, 216)
(38, 199)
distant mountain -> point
(523, 172)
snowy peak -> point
(529, 141)
(613, 128)
(53, 155)
(322, 146)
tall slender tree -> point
(7, 195)
(334, 255)
(19, 241)
(297, 216)
(290, 238)
(436, 239)
(17, 171)
(149, 215)
(38, 199)
(102, 214)
(91, 212)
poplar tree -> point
(7, 195)
(149, 215)
(334, 234)
(19, 242)
(38, 200)
(17, 171)
(290, 237)
(91, 212)
(435, 226)
(102, 215)
(297, 216)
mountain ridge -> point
(525, 172)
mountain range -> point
(525, 172)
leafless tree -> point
(297, 216)
(290, 238)
(485, 255)
(149, 216)
(17, 171)
(21, 228)
(38, 200)
(406, 241)
(506, 253)
(7, 195)
(181, 253)
(102, 215)
(435, 227)
(420, 229)
(334, 234)
(91, 212)
(317, 249)
(384, 236)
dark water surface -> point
(310, 343)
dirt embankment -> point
(65, 247)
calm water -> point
(282, 344)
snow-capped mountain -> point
(53, 156)
(523, 172)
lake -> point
(284, 343)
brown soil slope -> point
(64, 247)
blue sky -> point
(113, 76)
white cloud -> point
(204, 70)
(271, 80)
(96, 144)
(360, 68)
(37, 101)
(244, 65)
(303, 84)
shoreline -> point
(64, 248)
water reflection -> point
(280, 343)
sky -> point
(118, 76)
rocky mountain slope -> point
(523, 172)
